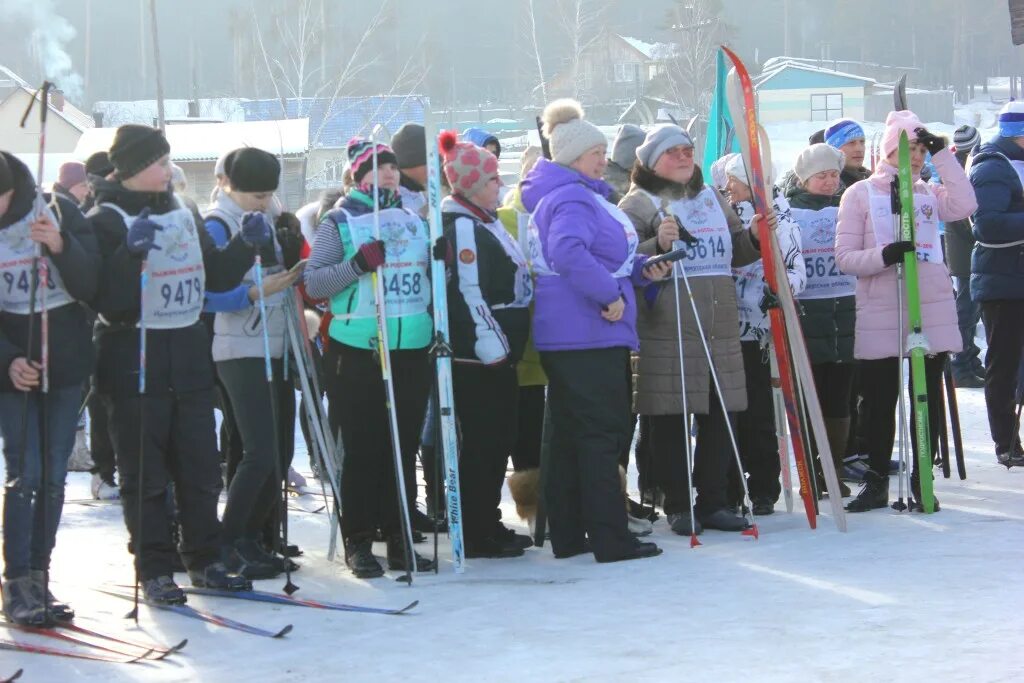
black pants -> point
(857, 441)
(358, 407)
(307, 435)
(526, 452)
(881, 386)
(588, 396)
(1004, 330)
(755, 427)
(834, 384)
(267, 431)
(230, 444)
(712, 456)
(180, 447)
(486, 403)
(100, 441)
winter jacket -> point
(618, 178)
(77, 265)
(997, 273)
(749, 279)
(656, 369)
(584, 260)
(828, 324)
(176, 359)
(849, 177)
(510, 214)
(877, 335)
(490, 288)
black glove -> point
(443, 251)
(291, 246)
(893, 253)
(768, 300)
(933, 143)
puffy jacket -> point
(857, 254)
(656, 369)
(529, 368)
(997, 273)
(585, 246)
(828, 324)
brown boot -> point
(838, 431)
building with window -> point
(612, 69)
(790, 91)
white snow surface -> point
(933, 598)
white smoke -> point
(47, 36)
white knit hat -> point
(569, 135)
(734, 167)
(659, 140)
(818, 158)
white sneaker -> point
(81, 459)
(639, 527)
(102, 490)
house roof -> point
(117, 113)
(207, 141)
(9, 79)
(74, 116)
(652, 51)
(333, 124)
(775, 67)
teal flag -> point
(720, 139)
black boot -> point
(492, 548)
(163, 590)
(216, 575)
(397, 558)
(507, 536)
(22, 603)
(873, 495)
(359, 558)
(58, 610)
(637, 552)
(244, 557)
(915, 487)
(724, 519)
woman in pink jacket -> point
(868, 246)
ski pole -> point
(268, 369)
(954, 420)
(780, 429)
(384, 351)
(688, 444)
(902, 420)
(137, 541)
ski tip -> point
(408, 607)
(179, 647)
(693, 541)
(283, 632)
(16, 676)
(752, 531)
(404, 578)
(144, 655)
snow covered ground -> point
(929, 598)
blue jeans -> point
(968, 313)
(27, 543)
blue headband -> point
(843, 132)
(1011, 124)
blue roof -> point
(332, 125)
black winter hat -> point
(410, 146)
(136, 147)
(253, 170)
(6, 176)
(98, 164)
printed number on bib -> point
(404, 284)
(23, 282)
(183, 293)
(821, 266)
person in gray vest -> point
(264, 419)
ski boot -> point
(679, 522)
(163, 590)
(360, 559)
(397, 559)
(22, 603)
(873, 495)
(216, 575)
(243, 557)
(58, 610)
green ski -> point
(917, 344)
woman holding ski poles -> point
(827, 305)
(866, 247)
(489, 294)
(345, 254)
(56, 224)
(584, 252)
(265, 416)
(672, 207)
(163, 430)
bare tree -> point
(531, 16)
(580, 22)
(698, 32)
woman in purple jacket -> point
(583, 251)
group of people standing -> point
(564, 336)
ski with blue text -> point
(202, 615)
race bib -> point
(17, 252)
(406, 262)
(818, 237)
(711, 253)
(926, 224)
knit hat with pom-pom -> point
(360, 157)
(570, 136)
(468, 168)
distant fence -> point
(936, 105)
